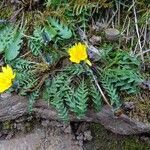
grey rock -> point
(80, 137)
(87, 135)
(19, 120)
(112, 34)
(45, 123)
(9, 136)
(39, 139)
(20, 127)
(95, 40)
(16, 106)
(145, 139)
(5, 95)
(93, 53)
(67, 129)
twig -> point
(123, 27)
(137, 31)
(135, 48)
(31, 37)
(128, 26)
(16, 14)
(145, 34)
(143, 52)
(25, 54)
(84, 38)
(100, 90)
(22, 20)
(132, 42)
(2, 3)
(111, 19)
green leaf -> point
(80, 98)
(50, 32)
(11, 41)
(36, 42)
(32, 99)
(95, 97)
(63, 31)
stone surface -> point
(41, 139)
(15, 106)
(87, 135)
(95, 40)
(112, 34)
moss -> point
(7, 12)
(7, 125)
(134, 144)
(103, 139)
(141, 109)
(29, 126)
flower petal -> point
(6, 77)
(78, 53)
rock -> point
(9, 136)
(41, 139)
(16, 106)
(87, 135)
(112, 34)
(145, 84)
(105, 140)
(93, 53)
(67, 129)
(45, 123)
(122, 124)
(145, 139)
(29, 118)
(20, 120)
(80, 137)
(20, 127)
(5, 95)
(95, 40)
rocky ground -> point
(28, 133)
(41, 139)
(31, 132)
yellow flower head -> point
(78, 53)
(6, 77)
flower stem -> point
(88, 62)
(100, 89)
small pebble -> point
(45, 123)
(87, 135)
(5, 95)
(67, 130)
(95, 40)
(112, 34)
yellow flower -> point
(78, 53)
(6, 77)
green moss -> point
(6, 12)
(134, 144)
(7, 125)
(105, 140)
(29, 126)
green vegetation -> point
(36, 48)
